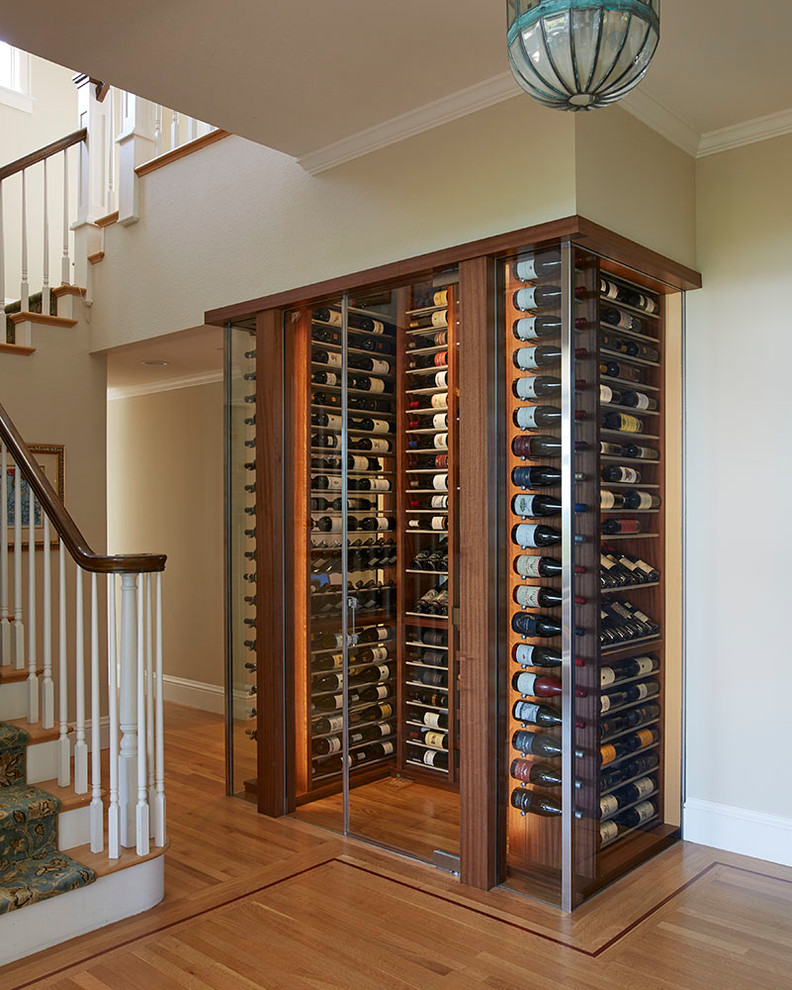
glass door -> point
(375, 730)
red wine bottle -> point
(535, 773)
(533, 714)
(536, 685)
(536, 656)
(534, 803)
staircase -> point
(82, 792)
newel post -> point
(94, 115)
(135, 146)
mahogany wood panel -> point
(594, 237)
(270, 563)
(478, 577)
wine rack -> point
(515, 690)
(249, 511)
(610, 735)
(429, 413)
(371, 550)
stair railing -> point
(54, 226)
(122, 678)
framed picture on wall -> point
(51, 458)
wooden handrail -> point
(65, 526)
(46, 152)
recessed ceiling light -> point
(155, 364)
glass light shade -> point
(581, 54)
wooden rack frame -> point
(481, 605)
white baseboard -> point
(194, 694)
(750, 833)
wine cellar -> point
(463, 584)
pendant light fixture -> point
(581, 54)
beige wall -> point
(739, 471)
(636, 183)
(165, 495)
(54, 115)
(254, 222)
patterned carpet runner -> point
(31, 867)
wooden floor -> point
(396, 812)
(280, 904)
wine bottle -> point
(536, 387)
(535, 685)
(613, 369)
(610, 500)
(536, 656)
(640, 453)
(639, 815)
(541, 446)
(535, 773)
(539, 744)
(534, 803)
(533, 566)
(535, 535)
(632, 768)
(638, 400)
(620, 474)
(629, 694)
(535, 417)
(625, 527)
(529, 267)
(628, 296)
(540, 356)
(641, 500)
(623, 422)
(533, 714)
(535, 625)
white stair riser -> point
(13, 700)
(113, 897)
(74, 828)
(42, 761)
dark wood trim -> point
(478, 575)
(65, 527)
(181, 152)
(595, 237)
(270, 564)
(46, 152)
(397, 271)
(107, 220)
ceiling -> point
(298, 76)
(192, 356)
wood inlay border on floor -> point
(91, 956)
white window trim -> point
(17, 101)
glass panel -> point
(315, 376)
(240, 358)
(404, 794)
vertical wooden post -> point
(32, 681)
(478, 577)
(113, 814)
(270, 563)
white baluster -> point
(127, 761)
(80, 745)
(19, 628)
(160, 830)
(157, 129)
(64, 751)
(97, 805)
(192, 128)
(111, 96)
(45, 280)
(32, 680)
(5, 623)
(142, 809)
(174, 130)
(113, 814)
(149, 693)
(47, 685)
(65, 260)
(25, 288)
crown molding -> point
(665, 122)
(460, 104)
(168, 385)
(748, 132)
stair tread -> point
(68, 799)
(10, 675)
(30, 880)
(36, 731)
(102, 865)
